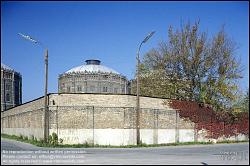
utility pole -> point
(46, 111)
(138, 99)
(138, 89)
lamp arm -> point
(138, 51)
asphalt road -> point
(13, 152)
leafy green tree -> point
(242, 103)
(246, 102)
(191, 66)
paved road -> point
(13, 152)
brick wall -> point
(78, 117)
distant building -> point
(92, 77)
(11, 88)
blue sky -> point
(109, 31)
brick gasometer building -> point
(92, 78)
(11, 88)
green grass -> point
(41, 143)
(230, 142)
(21, 138)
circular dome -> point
(92, 66)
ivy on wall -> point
(217, 124)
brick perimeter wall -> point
(98, 118)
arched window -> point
(7, 97)
(92, 88)
(8, 87)
(68, 89)
(105, 89)
(79, 88)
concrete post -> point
(93, 121)
(195, 133)
(138, 97)
(46, 113)
(176, 127)
(155, 130)
(13, 89)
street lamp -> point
(138, 89)
(46, 113)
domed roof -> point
(92, 66)
(5, 67)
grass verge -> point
(41, 143)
